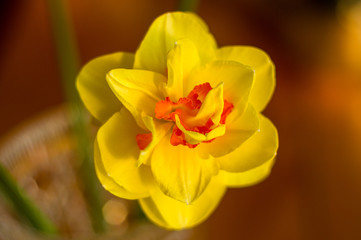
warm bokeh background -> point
(314, 191)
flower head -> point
(180, 120)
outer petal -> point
(119, 153)
(247, 178)
(138, 90)
(180, 172)
(93, 88)
(108, 183)
(237, 79)
(257, 150)
(239, 128)
(162, 35)
(170, 213)
(258, 60)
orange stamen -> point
(166, 109)
(227, 109)
(143, 140)
(184, 108)
(179, 138)
(199, 93)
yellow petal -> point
(258, 149)
(93, 88)
(138, 90)
(239, 128)
(158, 129)
(119, 153)
(247, 178)
(237, 79)
(162, 35)
(182, 59)
(260, 62)
(180, 172)
(108, 183)
(172, 214)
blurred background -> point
(314, 190)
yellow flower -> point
(180, 120)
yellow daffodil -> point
(181, 120)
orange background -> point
(314, 190)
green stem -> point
(90, 183)
(188, 5)
(69, 66)
(24, 207)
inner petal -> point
(210, 110)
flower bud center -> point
(185, 109)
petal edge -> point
(93, 88)
(257, 59)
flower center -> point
(186, 110)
